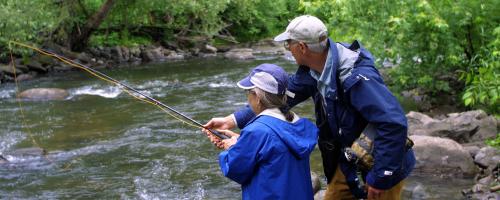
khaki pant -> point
(339, 190)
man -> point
(350, 97)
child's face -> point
(253, 101)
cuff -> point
(223, 162)
(380, 182)
(234, 120)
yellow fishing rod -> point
(133, 92)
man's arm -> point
(301, 84)
(373, 100)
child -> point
(270, 158)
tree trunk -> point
(80, 36)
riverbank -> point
(116, 56)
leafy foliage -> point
(494, 142)
(25, 21)
(433, 42)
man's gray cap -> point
(305, 28)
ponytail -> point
(286, 111)
(269, 100)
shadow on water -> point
(104, 144)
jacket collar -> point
(334, 56)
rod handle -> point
(219, 134)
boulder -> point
(36, 66)
(208, 49)
(421, 124)
(117, 54)
(22, 69)
(3, 160)
(44, 94)
(476, 123)
(175, 56)
(7, 69)
(239, 54)
(488, 158)
(316, 183)
(442, 156)
(125, 53)
(152, 55)
(25, 77)
(84, 57)
(471, 126)
(473, 150)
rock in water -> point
(3, 160)
(44, 94)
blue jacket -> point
(271, 159)
(361, 98)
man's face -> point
(294, 47)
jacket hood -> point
(299, 136)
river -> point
(104, 144)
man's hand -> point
(374, 193)
(222, 123)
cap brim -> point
(282, 37)
(245, 83)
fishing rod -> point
(110, 79)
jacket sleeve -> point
(239, 162)
(301, 84)
(373, 100)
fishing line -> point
(129, 90)
(23, 117)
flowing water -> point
(104, 144)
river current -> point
(104, 144)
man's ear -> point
(303, 47)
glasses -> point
(289, 43)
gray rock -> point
(472, 150)
(488, 157)
(25, 77)
(84, 57)
(44, 94)
(22, 69)
(3, 160)
(152, 55)
(117, 55)
(476, 119)
(208, 49)
(45, 60)
(36, 66)
(441, 155)
(471, 126)
(62, 68)
(240, 54)
(316, 183)
(6, 69)
(125, 53)
(419, 193)
(135, 51)
(207, 55)
(175, 56)
(421, 124)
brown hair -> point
(269, 100)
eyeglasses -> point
(288, 43)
